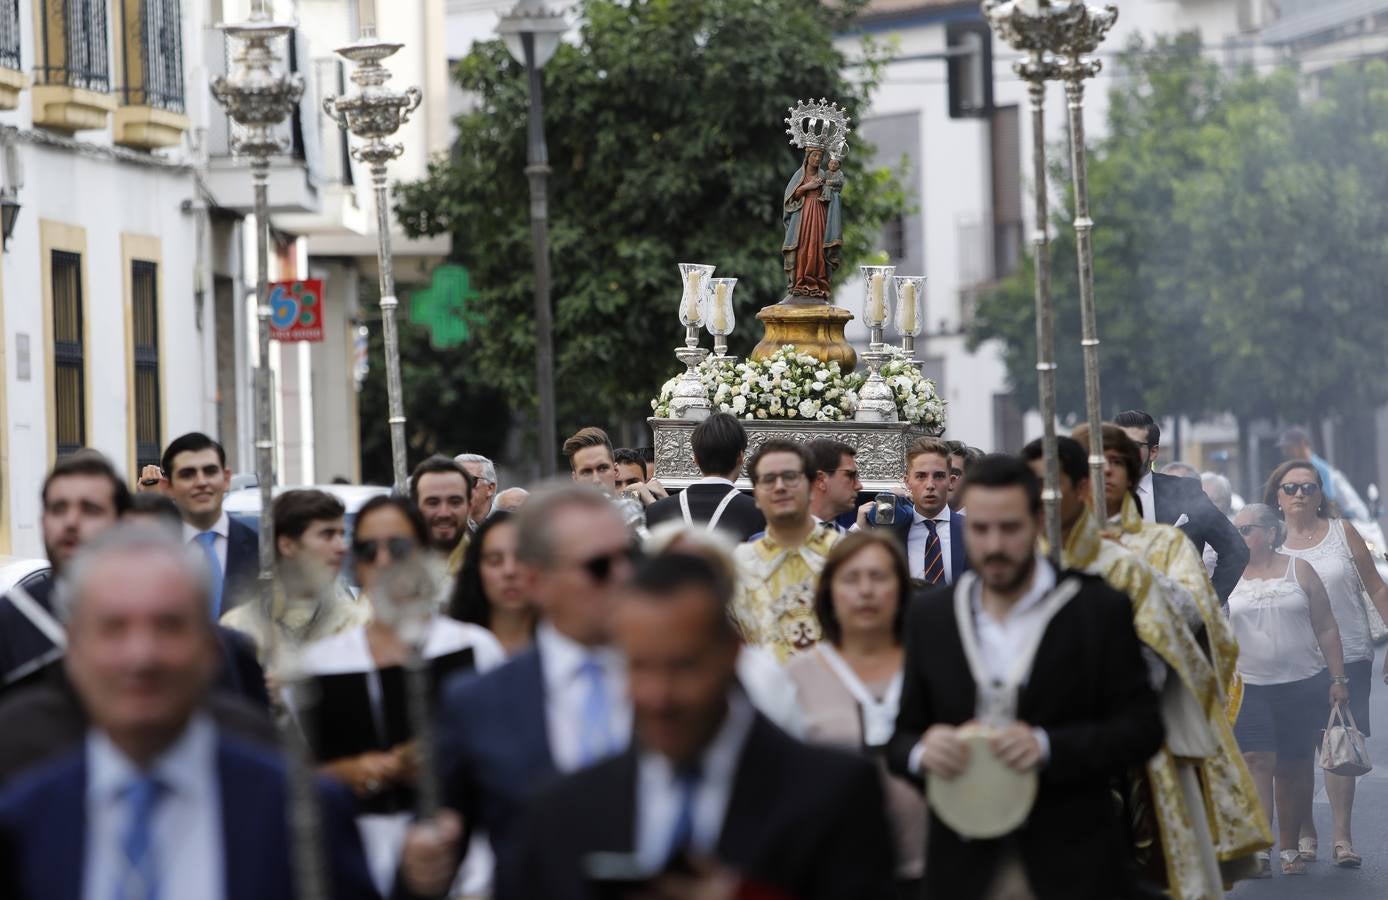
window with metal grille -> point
(69, 354)
(144, 289)
(152, 57)
(74, 49)
(9, 34)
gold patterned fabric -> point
(1171, 834)
(1237, 822)
(297, 625)
(774, 605)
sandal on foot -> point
(1309, 847)
(1292, 863)
(1345, 857)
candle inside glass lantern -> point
(692, 303)
(910, 291)
(875, 279)
(720, 313)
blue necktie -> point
(595, 735)
(140, 875)
(682, 833)
(208, 541)
(933, 572)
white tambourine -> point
(990, 799)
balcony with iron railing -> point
(151, 113)
(73, 66)
(11, 76)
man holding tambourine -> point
(1025, 692)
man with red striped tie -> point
(931, 532)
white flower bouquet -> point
(794, 385)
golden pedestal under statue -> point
(814, 328)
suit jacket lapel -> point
(958, 560)
(238, 826)
(67, 857)
(615, 830)
(753, 793)
(530, 707)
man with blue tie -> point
(554, 708)
(157, 803)
(196, 467)
(931, 532)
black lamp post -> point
(532, 34)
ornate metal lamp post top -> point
(376, 112)
(1067, 27)
(256, 95)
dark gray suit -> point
(1204, 524)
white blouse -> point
(1271, 618)
(1334, 563)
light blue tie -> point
(595, 736)
(140, 875)
(208, 540)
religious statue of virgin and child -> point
(811, 206)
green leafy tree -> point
(665, 133)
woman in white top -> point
(359, 728)
(1341, 559)
(850, 683)
(1287, 638)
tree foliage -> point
(1239, 250)
(665, 134)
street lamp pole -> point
(532, 34)
(374, 114)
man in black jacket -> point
(710, 792)
(719, 444)
(1182, 502)
(1083, 712)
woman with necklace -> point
(849, 684)
(1288, 640)
(1342, 560)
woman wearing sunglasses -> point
(1287, 640)
(1341, 559)
(359, 727)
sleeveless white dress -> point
(1333, 562)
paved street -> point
(1323, 880)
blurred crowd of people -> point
(602, 688)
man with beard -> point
(196, 467)
(1029, 670)
(442, 490)
(82, 497)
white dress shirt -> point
(1149, 499)
(915, 543)
(566, 693)
(658, 792)
(221, 528)
(187, 840)
(1000, 642)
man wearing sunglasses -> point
(836, 484)
(774, 605)
(555, 708)
(1182, 502)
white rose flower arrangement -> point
(794, 385)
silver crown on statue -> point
(818, 125)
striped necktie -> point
(933, 571)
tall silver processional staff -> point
(259, 99)
(374, 114)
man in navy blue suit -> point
(555, 708)
(198, 479)
(157, 802)
(931, 533)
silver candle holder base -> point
(876, 402)
(908, 348)
(691, 397)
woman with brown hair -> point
(1342, 560)
(849, 684)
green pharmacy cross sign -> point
(442, 307)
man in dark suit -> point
(554, 708)
(929, 531)
(158, 801)
(1182, 502)
(709, 792)
(198, 479)
(835, 487)
(1082, 713)
(719, 444)
(81, 497)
